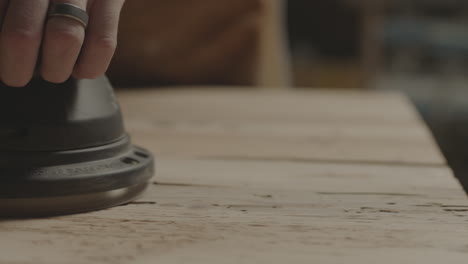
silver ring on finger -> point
(69, 11)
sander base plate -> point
(63, 205)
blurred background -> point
(419, 47)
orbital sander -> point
(64, 150)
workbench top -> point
(268, 177)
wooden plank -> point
(319, 125)
(261, 212)
(217, 205)
(273, 71)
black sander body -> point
(64, 149)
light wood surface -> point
(274, 62)
(268, 177)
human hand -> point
(63, 45)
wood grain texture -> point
(216, 205)
(323, 125)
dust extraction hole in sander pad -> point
(64, 149)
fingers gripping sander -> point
(63, 149)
